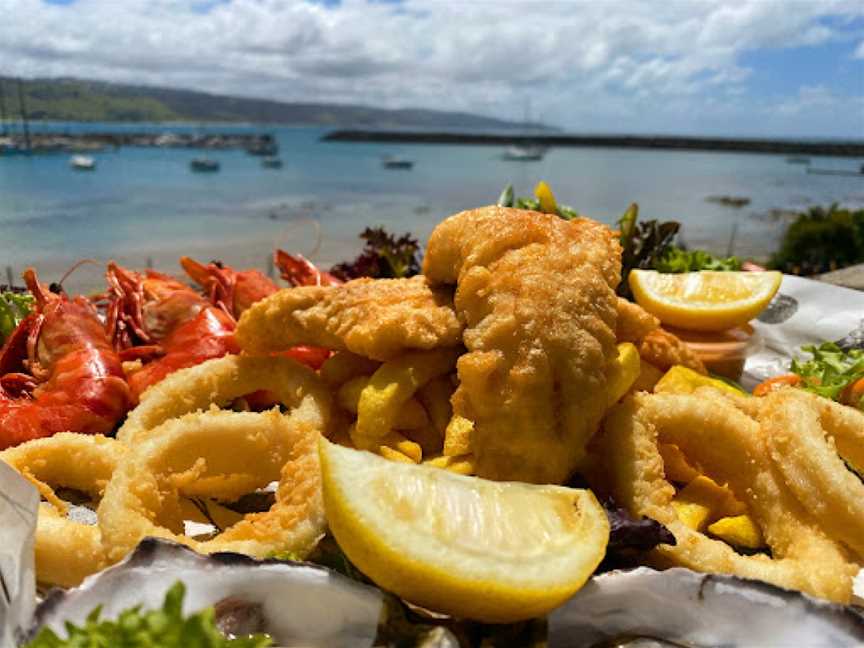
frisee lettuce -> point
(831, 370)
(134, 628)
(14, 306)
(675, 260)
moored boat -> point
(82, 163)
(393, 162)
(204, 165)
(524, 153)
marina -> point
(51, 142)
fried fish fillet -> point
(537, 294)
(657, 346)
(375, 318)
(665, 350)
(633, 322)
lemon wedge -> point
(683, 380)
(497, 552)
(704, 301)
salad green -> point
(14, 306)
(831, 370)
(542, 201)
(676, 259)
(135, 628)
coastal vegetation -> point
(820, 240)
(89, 101)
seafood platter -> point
(543, 432)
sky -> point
(722, 67)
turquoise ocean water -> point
(145, 203)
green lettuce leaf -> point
(134, 628)
(14, 306)
(675, 259)
(830, 370)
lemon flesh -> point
(683, 380)
(497, 552)
(706, 300)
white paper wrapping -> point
(19, 502)
(803, 312)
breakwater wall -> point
(787, 147)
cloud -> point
(600, 64)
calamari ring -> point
(731, 448)
(222, 380)
(66, 551)
(801, 429)
(225, 454)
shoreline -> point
(675, 143)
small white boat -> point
(393, 162)
(82, 163)
(524, 153)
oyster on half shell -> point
(645, 608)
(295, 603)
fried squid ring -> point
(66, 551)
(808, 435)
(221, 454)
(222, 380)
(731, 448)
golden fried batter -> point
(634, 322)
(537, 295)
(665, 350)
(375, 318)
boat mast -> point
(23, 107)
(3, 132)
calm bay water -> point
(145, 202)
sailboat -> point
(525, 151)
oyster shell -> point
(678, 607)
(296, 603)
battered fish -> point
(657, 347)
(633, 322)
(375, 318)
(665, 350)
(537, 294)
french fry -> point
(738, 531)
(411, 415)
(463, 464)
(703, 500)
(342, 366)
(393, 443)
(435, 397)
(396, 441)
(392, 384)
(394, 455)
(622, 373)
(457, 437)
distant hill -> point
(80, 100)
